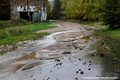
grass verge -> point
(15, 39)
(7, 24)
(110, 37)
(12, 35)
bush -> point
(111, 13)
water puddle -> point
(59, 56)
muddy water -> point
(64, 55)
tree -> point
(111, 13)
(82, 9)
(4, 9)
(56, 12)
(48, 8)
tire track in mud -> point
(68, 53)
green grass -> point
(91, 23)
(15, 39)
(12, 35)
(110, 37)
(32, 27)
(9, 23)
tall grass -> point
(110, 37)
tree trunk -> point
(13, 11)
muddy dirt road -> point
(68, 53)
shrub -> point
(111, 13)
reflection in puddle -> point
(71, 60)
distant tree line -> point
(107, 11)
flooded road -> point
(68, 53)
